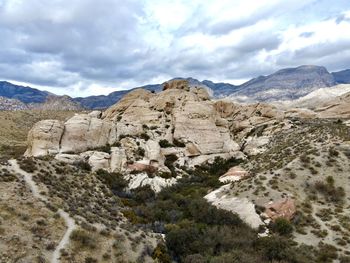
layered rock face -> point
(143, 128)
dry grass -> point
(15, 126)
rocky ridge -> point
(11, 104)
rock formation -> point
(143, 129)
(284, 208)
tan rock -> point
(177, 84)
(83, 132)
(99, 160)
(44, 138)
(113, 112)
(142, 167)
(152, 151)
(118, 159)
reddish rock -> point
(235, 173)
(284, 208)
(141, 167)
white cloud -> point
(82, 47)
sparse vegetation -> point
(165, 144)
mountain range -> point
(285, 84)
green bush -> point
(114, 181)
(83, 239)
(27, 164)
(83, 165)
(329, 190)
(160, 254)
(282, 226)
(165, 144)
(145, 136)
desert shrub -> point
(327, 253)
(282, 226)
(169, 162)
(131, 216)
(333, 152)
(161, 254)
(329, 190)
(275, 248)
(8, 152)
(114, 181)
(6, 176)
(178, 143)
(143, 194)
(106, 148)
(28, 165)
(144, 136)
(196, 230)
(116, 144)
(140, 152)
(195, 258)
(83, 165)
(90, 260)
(165, 144)
(344, 259)
(83, 239)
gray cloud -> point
(61, 43)
(307, 34)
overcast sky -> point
(89, 47)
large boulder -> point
(118, 159)
(84, 132)
(44, 138)
(156, 183)
(99, 160)
(283, 208)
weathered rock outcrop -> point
(235, 173)
(44, 138)
(142, 124)
(83, 132)
(284, 208)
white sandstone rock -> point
(156, 183)
(99, 160)
(44, 138)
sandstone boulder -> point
(99, 160)
(118, 159)
(156, 183)
(83, 132)
(44, 138)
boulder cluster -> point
(141, 132)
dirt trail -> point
(70, 223)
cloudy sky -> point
(88, 47)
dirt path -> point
(70, 223)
